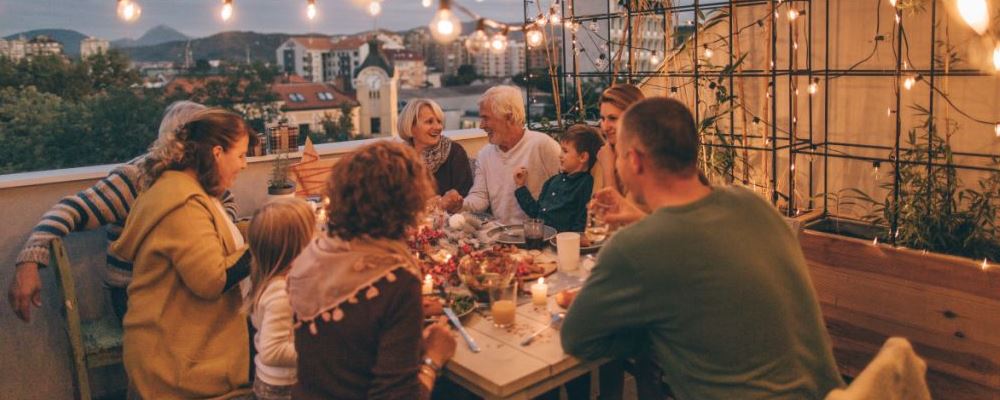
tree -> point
(465, 75)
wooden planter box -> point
(948, 307)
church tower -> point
(376, 83)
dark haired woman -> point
(184, 334)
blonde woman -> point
(278, 233)
(185, 336)
(420, 124)
(614, 101)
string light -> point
(793, 14)
(445, 26)
(708, 52)
(478, 41)
(892, 3)
(499, 42)
(996, 129)
(996, 57)
(227, 10)
(654, 58)
(554, 18)
(375, 8)
(976, 14)
(814, 86)
(986, 264)
(534, 37)
(908, 83)
(426, 3)
(311, 9)
(673, 91)
(128, 10)
(541, 20)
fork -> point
(556, 320)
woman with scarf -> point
(355, 294)
(420, 125)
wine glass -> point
(597, 227)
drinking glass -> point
(534, 234)
(568, 250)
(503, 303)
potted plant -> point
(280, 184)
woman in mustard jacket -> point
(184, 334)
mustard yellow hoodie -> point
(184, 337)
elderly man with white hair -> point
(512, 146)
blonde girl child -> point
(277, 234)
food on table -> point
(433, 306)
(565, 298)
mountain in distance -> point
(70, 39)
(232, 46)
(156, 35)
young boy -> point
(562, 203)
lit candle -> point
(428, 287)
(540, 293)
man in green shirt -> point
(712, 285)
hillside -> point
(70, 39)
(156, 35)
(230, 46)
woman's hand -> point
(521, 176)
(439, 343)
(451, 201)
(615, 208)
(25, 290)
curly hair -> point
(378, 191)
(191, 147)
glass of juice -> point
(503, 303)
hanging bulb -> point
(997, 129)
(499, 41)
(128, 10)
(708, 52)
(445, 26)
(541, 20)
(375, 8)
(908, 83)
(426, 3)
(592, 25)
(813, 86)
(568, 24)
(478, 41)
(227, 10)
(654, 58)
(554, 18)
(892, 3)
(793, 14)
(311, 9)
(996, 57)
(534, 37)
(976, 14)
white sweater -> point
(275, 340)
(493, 188)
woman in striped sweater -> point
(107, 203)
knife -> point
(556, 322)
(458, 324)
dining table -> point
(503, 368)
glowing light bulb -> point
(554, 18)
(534, 37)
(708, 52)
(374, 8)
(997, 129)
(975, 13)
(227, 10)
(499, 42)
(311, 9)
(813, 87)
(128, 10)
(445, 26)
(793, 14)
(654, 58)
(892, 3)
(477, 42)
(996, 57)
(908, 83)
(425, 3)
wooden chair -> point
(93, 343)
